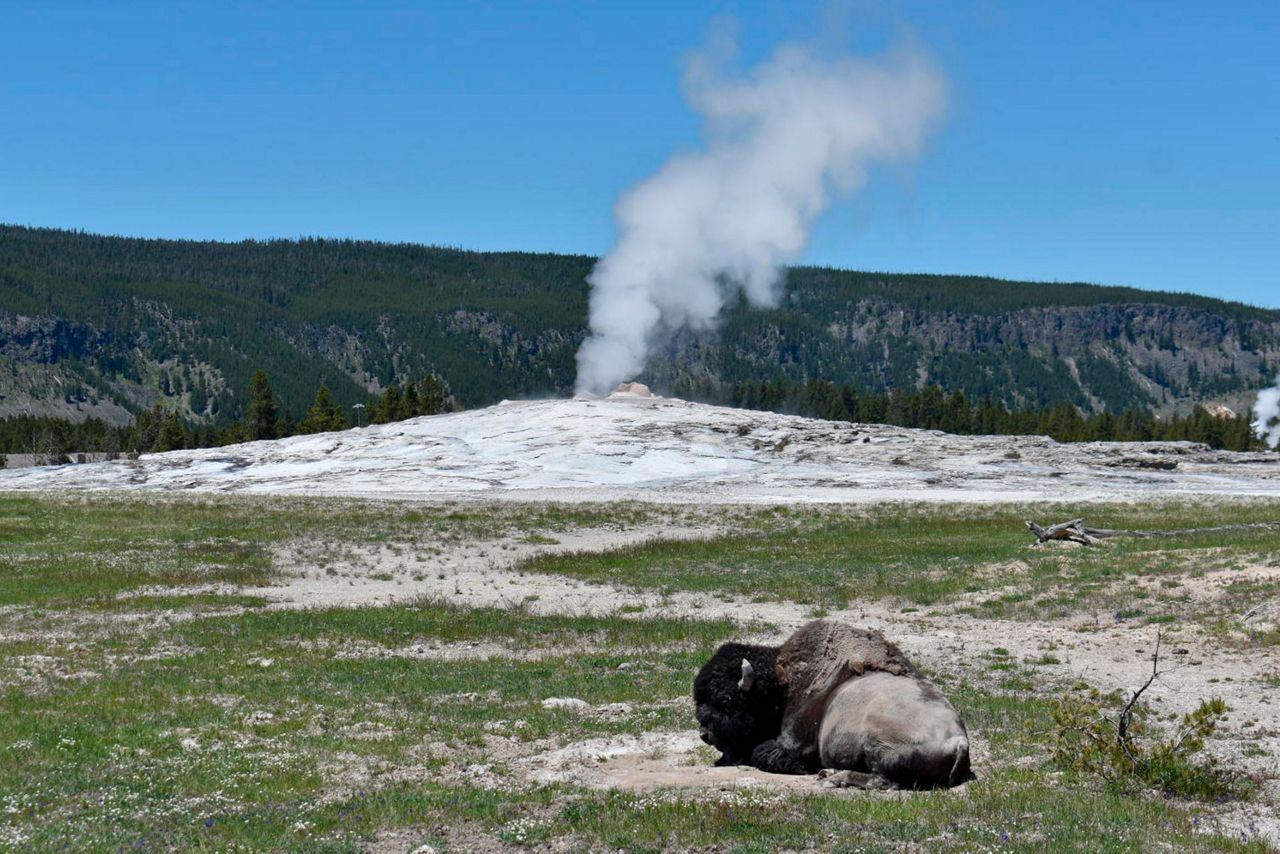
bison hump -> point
(824, 654)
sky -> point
(1133, 143)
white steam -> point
(1267, 412)
(781, 140)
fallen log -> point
(1076, 531)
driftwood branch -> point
(1076, 531)
(1255, 609)
(1073, 531)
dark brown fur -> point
(894, 731)
(733, 720)
(818, 659)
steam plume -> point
(1267, 410)
(780, 141)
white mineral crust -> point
(637, 447)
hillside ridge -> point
(106, 326)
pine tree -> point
(849, 400)
(323, 416)
(231, 434)
(261, 415)
(957, 415)
(929, 406)
(409, 403)
(172, 435)
(387, 409)
(146, 429)
(198, 400)
(433, 395)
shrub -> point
(1096, 734)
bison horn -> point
(748, 676)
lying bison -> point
(835, 699)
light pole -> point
(359, 408)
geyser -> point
(1267, 415)
(781, 140)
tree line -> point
(51, 440)
(157, 430)
(54, 440)
(931, 408)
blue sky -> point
(1123, 143)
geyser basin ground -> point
(379, 671)
(638, 448)
(291, 673)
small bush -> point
(1101, 734)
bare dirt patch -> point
(468, 574)
(655, 760)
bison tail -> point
(958, 748)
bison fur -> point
(843, 701)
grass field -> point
(156, 696)
(926, 555)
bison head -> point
(739, 700)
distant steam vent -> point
(1267, 415)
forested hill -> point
(106, 326)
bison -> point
(833, 699)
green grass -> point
(63, 549)
(319, 730)
(102, 760)
(809, 558)
(402, 624)
(101, 763)
(1013, 811)
(174, 602)
(930, 555)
